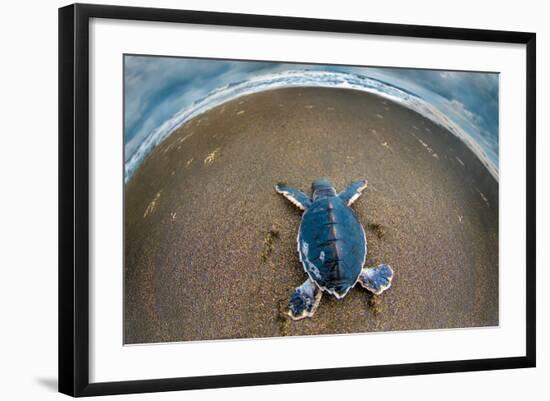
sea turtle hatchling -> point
(332, 247)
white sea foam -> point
(304, 78)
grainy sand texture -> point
(210, 247)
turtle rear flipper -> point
(304, 300)
(376, 279)
(351, 193)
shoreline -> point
(470, 143)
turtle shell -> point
(332, 245)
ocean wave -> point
(304, 78)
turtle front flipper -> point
(376, 279)
(304, 300)
(295, 196)
(351, 193)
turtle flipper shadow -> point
(352, 192)
(295, 196)
(304, 300)
(376, 279)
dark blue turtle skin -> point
(332, 246)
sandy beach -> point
(210, 247)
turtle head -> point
(322, 188)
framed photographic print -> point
(249, 199)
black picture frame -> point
(74, 194)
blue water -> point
(161, 94)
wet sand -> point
(210, 247)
